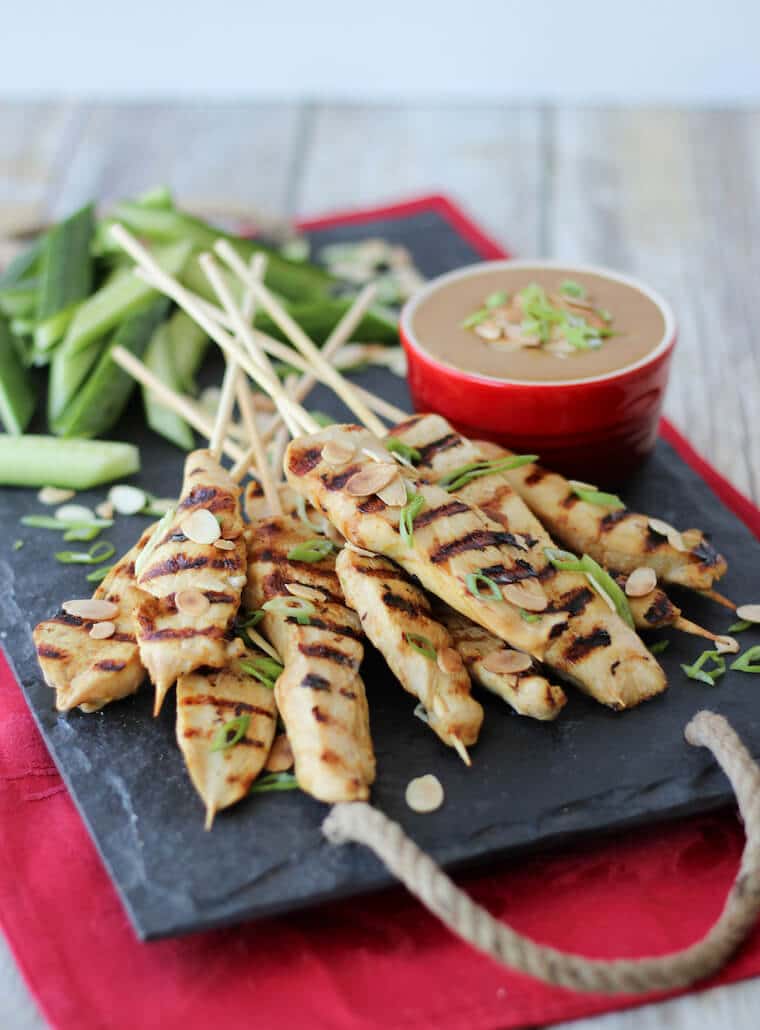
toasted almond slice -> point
(102, 630)
(92, 609)
(527, 594)
(424, 794)
(449, 660)
(749, 612)
(394, 494)
(359, 550)
(126, 499)
(641, 582)
(191, 602)
(224, 545)
(371, 479)
(201, 527)
(504, 660)
(307, 593)
(104, 510)
(280, 755)
(726, 645)
(337, 453)
(54, 495)
(488, 331)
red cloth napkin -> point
(374, 962)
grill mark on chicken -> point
(305, 460)
(654, 541)
(109, 665)
(372, 505)
(536, 476)
(314, 682)
(171, 566)
(570, 501)
(64, 619)
(185, 633)
(319, 715)
(54, 653)
(443, 511)
(239, 707)
(401, 427)
(660, 609)
(334, 627)
(219, 597)
(444, 443)
(706, 553)
(403, 604)
(209, 497)
(574, 603)
(339, 480)
(582, 646)
(614, 518)
(330, 654)
(500, 574)
(350, 695)
(475, 541)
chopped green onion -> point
(322, 419)
(262, 668)
(473, 581)
(49, 522)
(604, 314)
(475, 318)
(251, 620)
(301, 509)
(97, 553)
(659, 646)
(564, 561)
(311, 550)
(98, 575)
(708, 676)
(463, 475)
(496, 300)
(17, 545)
(529, 616)
(749, 661)
(295, 607)
(404, 450)
(740, 626)
(409, 513)
(154, 539)
(570, 288)
(598, 497)
(274, 781)
(157, 507)
(230, 733)
(421, 645)
(81, 531)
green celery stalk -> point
(74, 464)
(99, 403)
(319, 318)
(19, 299)
(66, 275)
(25, 265)
(161, 420)
(17, 395)
(188, 344)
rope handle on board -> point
(360, 822)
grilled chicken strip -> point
(90, 673)
(453, 541)
(442, 450)
(396, 615)
(320, 695)
(206, 704)
(617, 538)
(528, 692)
(175, 640)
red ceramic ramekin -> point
(599, 429)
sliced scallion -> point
(98, 553)
(460, 477)
(17, 545)
(49, 522)
(421, 644)
(529, 616)
(749, 661)
(291, 607)
(659, 646)
(598, 497)
(564, 561)
(475, 318)
(230, 733)
(311, 550)
(570, 288)
(262, 668)
(404, 450)
(696, 671)
(322, 419)
(740, 626)
(274, 781)
(98, 575)
(473, 581)
(409, 513)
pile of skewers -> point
(439, 549)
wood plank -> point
(490, 158)
(227, 159)
(673, 197)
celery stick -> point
(161, 420)
(187, 345)
(319, 318)
(17, 394)
(25, 265)
(99, 403)
(72, 464)
(67, 273)
(19, 299)
(159, 198)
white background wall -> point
(701, 51)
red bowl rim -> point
(666, 343)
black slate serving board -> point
(532, 785)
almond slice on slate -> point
(424, 793)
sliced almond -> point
(337, 453)
(641, 582)
(672, 535)
(371, 479)
(726, 645)
(749, 612)
(201, 527)
(449, 660)
(104, 510)
(527, 594)
(54, 495)
(224, 545)
(92, 609)
(488, 331)
(307, 593)
(281, 755)
(505, 660)
(102, 630)
(126, 499)
(191, 602)
(424, 794)
(394, 494)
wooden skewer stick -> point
(301, 341)
(176, 402)
(259, 458)
(687, 626)
(714, 595)
(224, 411)
(172, 288)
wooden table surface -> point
(672, 196)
